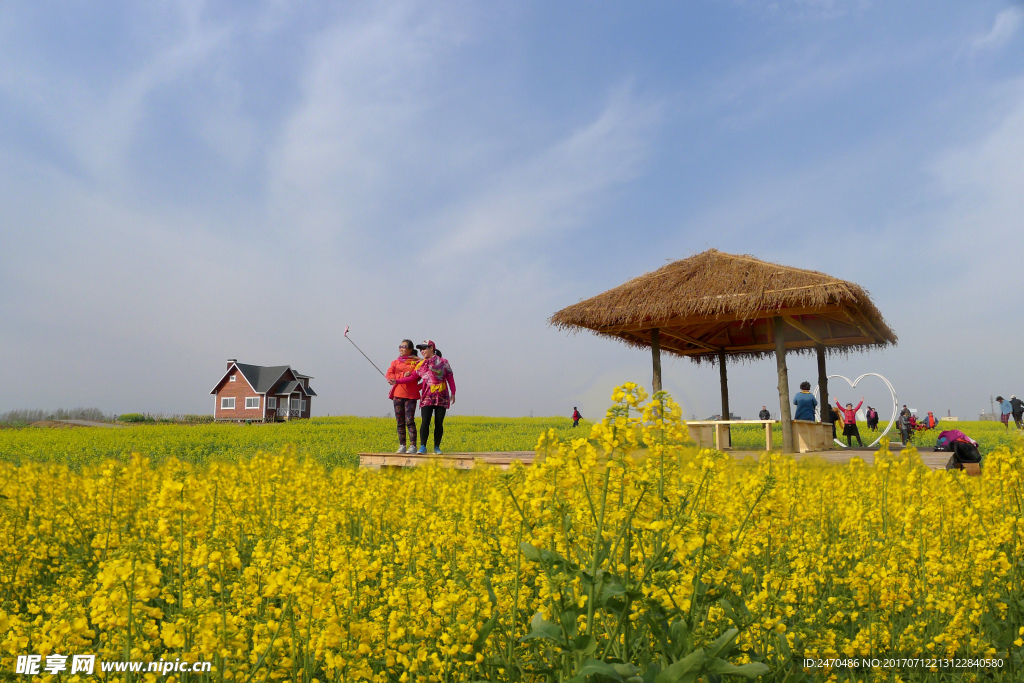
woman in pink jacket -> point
(849, 414)
(437, 395)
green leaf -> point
(752, 670)
(542, 628)
(529, 552)
(675, 673)
(593, 667)
(626, 670)
(485, 631)
(568, 618)
(723, 642)
(584, 645)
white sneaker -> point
(401, 449)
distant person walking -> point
(828, 416)
(872, 416)
(904, 424)
(764, 414)
(1005, 411)
(930, 421)
(437, 396)
(850, 429)
(405, 392)
(1017, 407)
(805, 403)
(576, 417)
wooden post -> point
(656, 358)
(726, 414)
(779, 332)
(822, 379)
(723, 376)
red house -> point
(261, 394)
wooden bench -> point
(715, 433)
(812, 436)
(459, 461)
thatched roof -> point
(716, 302)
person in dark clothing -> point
(764, 414)
(576, 417)
(1017, 406)
(828, 416)
(872, 416)
(904, 424)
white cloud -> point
(369, 83)
(560, 187)
(1003, 28)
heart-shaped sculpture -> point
(853, 385)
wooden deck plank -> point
(461, 461)
(466, 461)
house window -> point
(272, 402)
(302, 406)
(227, 403)
(231, 379)
(252, 402)
(295, 404)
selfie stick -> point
(361, 351)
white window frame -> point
(232, 378)
(302, 406)
(249, 399)
(294, 404)
(271, 402)
(224, 402)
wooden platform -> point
(461, 461)
(933, 459)
(467, 461)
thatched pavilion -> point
(714, 305)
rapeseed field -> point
(624, 554)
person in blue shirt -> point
(805, 403)
(1006, 409)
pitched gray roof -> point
(289, 387)
(262, 378)
(286, 388)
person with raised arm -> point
(850, 429)
(437, 394)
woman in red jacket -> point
(849, 414)
(405, 392)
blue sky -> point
(184, 182)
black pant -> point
(437, 412)
(849, 438)
(1017, 419)
(575, 422)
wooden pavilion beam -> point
(796, 324)
(754, 348)
(863, 319)
(692, 340)
(803, 344)
(700, 319)
(663, 344)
